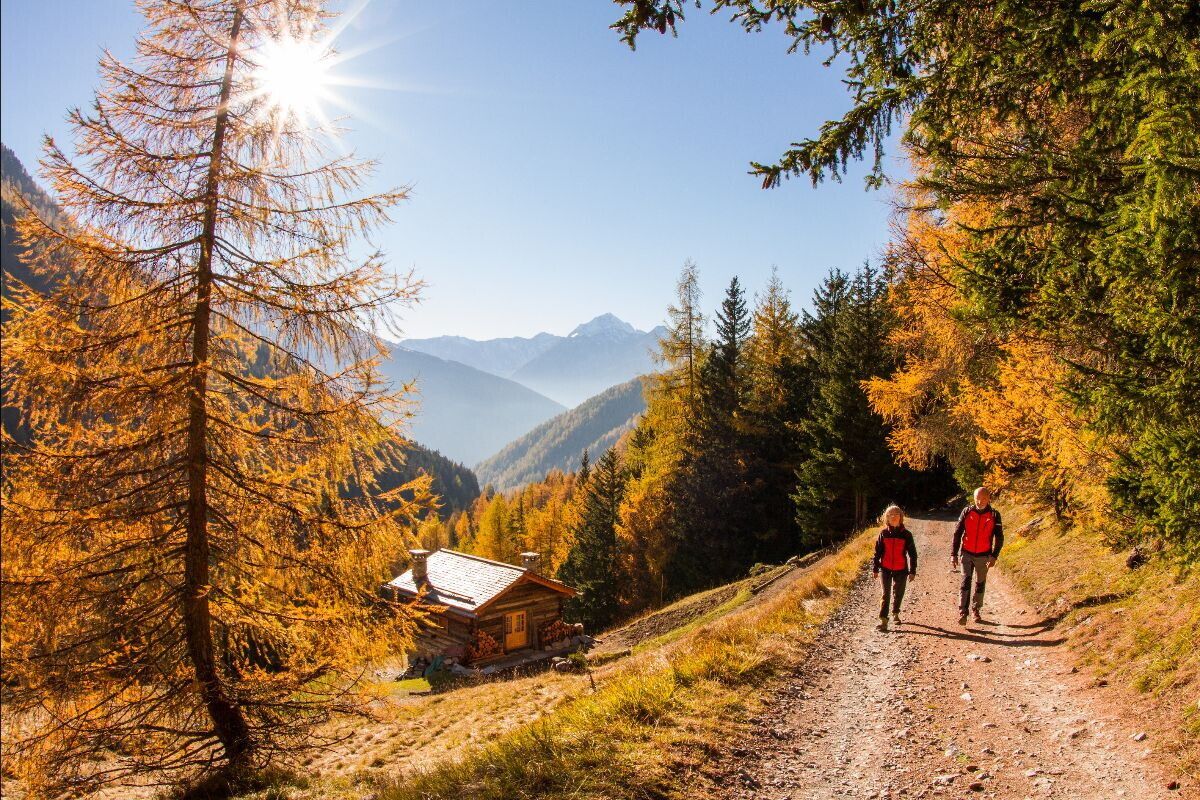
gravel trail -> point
(933, 709)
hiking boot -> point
(962, 620)
(977, 616)
(896, 618)
(883, 624)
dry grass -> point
(646, 731)
(653, 717)
(1139, 630)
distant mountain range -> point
(479, 399)
(568, 369)
(500, 357)
(595, 425)
(463, 412)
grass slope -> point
(646, 727)
(1138, 630)
(641, 730)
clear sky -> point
(556, 174)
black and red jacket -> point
(980, 532)
(895, 551)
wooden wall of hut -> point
(541, 604)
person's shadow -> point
(968, 635)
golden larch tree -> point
(191, 546)
(988, 398)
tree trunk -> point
(229, 723)
(860, 509)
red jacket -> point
(895, 551)
(980, 532)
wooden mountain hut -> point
(481, 609)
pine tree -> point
(728, 353)
(585, 469)
(846, 471)
(714, 532)
(778, 398)
(682, 347)
(199, 387)
(592, 564)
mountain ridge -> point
(594, 425)
(600, 353)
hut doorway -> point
(516, 633)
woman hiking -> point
(896, 559)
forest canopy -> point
(1056, 148)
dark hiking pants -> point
(977, 566)
(893, 589)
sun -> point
(293, 76)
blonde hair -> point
(888, 512)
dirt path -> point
(932, 709)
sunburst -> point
(292, 75)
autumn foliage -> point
(991, 399)
(187, 585)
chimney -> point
(420, 566)
(530, 560)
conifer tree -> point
(585, 469)
(846, 472)
(728, 352)
(199, 386)
(776, 405)
(592, 564)
(682, 348)
(518, 530)
(714, 529)
(494, 538)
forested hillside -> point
(15, 184)
(756, 444)
(454, 485)
(557, 444)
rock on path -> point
(935, 710)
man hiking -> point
(978, 539)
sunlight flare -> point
(293, 76)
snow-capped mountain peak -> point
(608, 325)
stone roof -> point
(464, 583)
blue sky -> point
(556, 174)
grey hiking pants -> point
(893, 587)
(977, 566)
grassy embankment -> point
(649, 728)
(1137, 630)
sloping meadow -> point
(1136, 629)
(643, 732)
